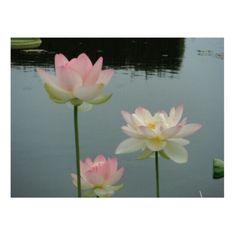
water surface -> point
(154, 73)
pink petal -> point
(60, 60)
(115, 177)
(105, 77)
(94, 73)
(82, 65)
(94, 178)
(188, 130)
(88, 162)
(113, 164)
(68, 78)
(100, 158)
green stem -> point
(76, 126)
(157, 174)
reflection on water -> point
(153, 55)
(154, 73)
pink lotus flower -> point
(161, 132)
(77, 80)
(98, 177)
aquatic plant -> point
(79, 82)
(161, 133)
(98, 177)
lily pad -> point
(218, 169)
(25, 43)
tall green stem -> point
(76, 126)
(157, 174)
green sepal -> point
(116, 188)
(162, 153)
(218, 169)
(145, 154)
(100, 99)
(76, 102)
(53, 94)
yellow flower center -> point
(151, 125)
(157, 139)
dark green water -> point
(154, 73)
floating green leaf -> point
(218, 169)
(25, 43)
(100, 99)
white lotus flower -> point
(161, 132)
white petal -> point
(188, 130)
(143, 113)
(84, 107)
(176, 152)
(180, 141)
(130, 145)
(74, 179)
(87, 93)
(130, 132)
(137, 120)
(127, 117)
(172, 113)
(178, 113)
(183, 122)
(170, 132)
(147, 132)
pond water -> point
(154, 73)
